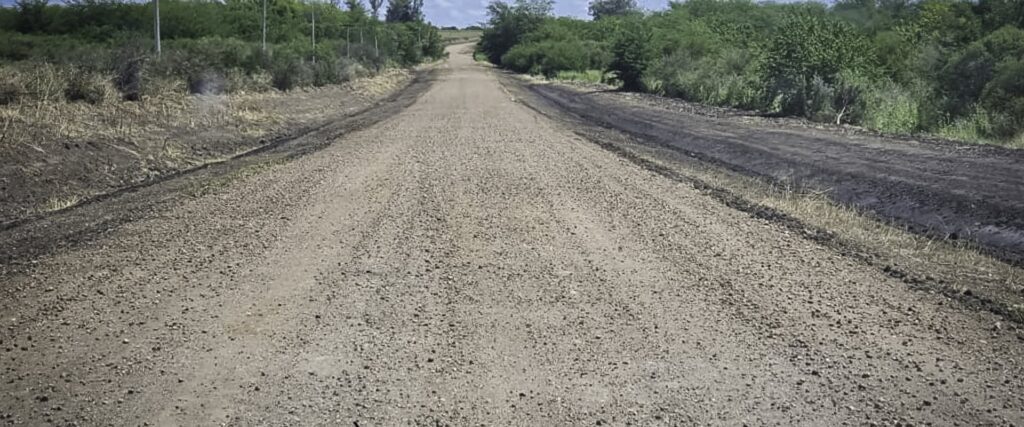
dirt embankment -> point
(54, 155)
(944, 190)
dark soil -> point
(944, 190)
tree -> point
(998, 13)
(356, 7)
(404, 11)
(631, 54)
(31, 16)
(604, 8)
(507, 24)
(375, 7)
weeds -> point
(58, 203)
(588, 76)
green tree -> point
(375, 6)
(356, 7)
(631, 54)
(999, 13)
(605, 8)
(508, 24)
(807, 48)
(404, 11)
(31, 17)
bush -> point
(289, 72)
(806, 55)
(128, 77)
(207, 82)
(1005, 94)
(9, 92)
(889, 107)
(551, 57)
(725, 78)
(508, 24)
(88, 87)
(631, 54)
(589, 76)
(975, 127)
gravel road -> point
(468, 261)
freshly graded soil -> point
(938, 188)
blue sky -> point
(462, 13)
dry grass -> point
(58, 203)
(164, 129)
(450, 37)
(47, 116)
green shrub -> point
(889, 107)
(508, 24)
(588, 76)
(806, 55)
(726, 78)
(551, 57)
(1005, 94)
(289, 71)
(975, 127)
(631, 54)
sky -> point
(463, 13)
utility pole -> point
(313, 34)
(156, 25)
(264, 26)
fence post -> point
(313, 34)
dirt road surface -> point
(941, 189)
(467, 261)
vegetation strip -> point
(946, 67)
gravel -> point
(468, 261)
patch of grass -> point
(221, 182)
(589, 76)
(974, 128)
(450, 37)
(58, 203)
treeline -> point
(953, 67)
(207, 46)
